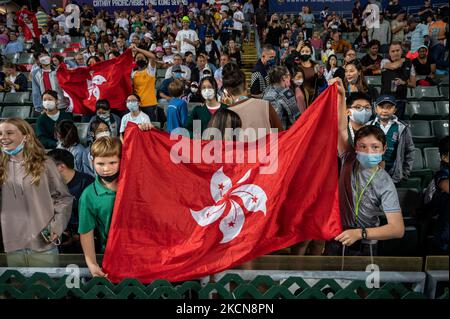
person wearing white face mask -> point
(45, 125)
(366, 191)
(44, 79)
(103, 112)
(135, 116)
(301, 95)
(97, 129)
(204, 112)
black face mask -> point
(142, 63)
(110, 179)
(305, 57)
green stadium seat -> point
(427, 93)
(421, 110)
(82, 129)
(406, 246)
(418, 159)
(444, 91)
(16, 111)
(432, 158)
(440, 128)
(25, 58)
(161, 73)
(410, 201)
(411, 182)
(373, 80)
(421, 131)
(2, 96)
(19, 97)
(442, 108)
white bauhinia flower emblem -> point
(93, 84)
(253, 198)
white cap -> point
(166, 45)
(148, 35)
(153, 47)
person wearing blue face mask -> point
(366, 190)
(359, 112)
(36, 204)
(135, 116)
(399, 156)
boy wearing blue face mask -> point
(359, 112)
(366, 190)
(399, 156)
(135, 115)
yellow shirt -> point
(144, 84)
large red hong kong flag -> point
(109, 80)
(181, 221)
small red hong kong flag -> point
(178, 218)
(110, 80)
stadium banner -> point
(127, 5)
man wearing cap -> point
(419, 36)
(425, 67)
(202, 69)
(185, 71)
(399, 156)
(187, 40)
(210, 48)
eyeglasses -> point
(362, 107)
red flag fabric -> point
(109, 80)
(32, 27)
(187, 220)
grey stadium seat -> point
(16, 111)
(432, 158)
(440, 128)
(82, 131)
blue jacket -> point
(177, 114)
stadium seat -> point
(410, 201)
(157, 124)
(427, 93)
(12, 57)
(432, 158)
(418, 159)
(25, 58)
(411, 182)
(421, 132)
(440, 128)
(2, 96)
(161, 73)
(16, 111)
(442, 109)
(444, 91)
(406, 246)
(19, 97)
(82, 131)
(360, 55)
(191, 106)
(423, 110)
(373, 80)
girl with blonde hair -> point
(36, 204)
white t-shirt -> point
(186, 34)
(123, 23)
(237, 25)
(141, 118)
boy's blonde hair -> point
(106, 147)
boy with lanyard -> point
(366, 191)
(399, 156)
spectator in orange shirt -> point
(340, 45)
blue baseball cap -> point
(386, 98)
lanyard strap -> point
(359, 195)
